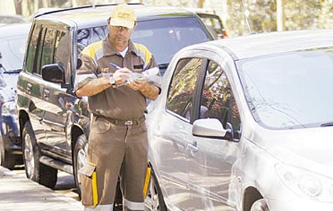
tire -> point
(80, 158)
(154, 200)
(7, 159)
(34, 170)
(259, 205)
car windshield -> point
(290, 90)
(12, 52)
(163, 37)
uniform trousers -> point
(116, 148)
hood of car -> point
(302, 148)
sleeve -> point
(86, 72)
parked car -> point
(212, 21)
(12, 47)
(55, 123)
(9, 19)
(246, 124)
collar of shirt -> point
(123, 53)
(109, 50)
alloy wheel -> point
(29, 156)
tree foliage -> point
(262, 16)
(298, 14)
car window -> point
(182, 88)
(214, 23)
(39, 50)
(32, 47)
(90, 35)
(62, 49)
(47, 47)
(12, 52)
(164, 37)
(290, 90)
(217, 100)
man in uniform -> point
(118, 135)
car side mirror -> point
(53, 73)
(211, 128)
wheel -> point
(7, 159)
(259, 205)
(80, 158)
(154, 200)
(34, 170)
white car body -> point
(283, 157)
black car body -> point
(55, 123)
(12, 47)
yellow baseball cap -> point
(123, 15)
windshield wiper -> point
(328, 124)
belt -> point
(128, 122)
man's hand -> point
(139, 84)
(148, 89)
(122, 75)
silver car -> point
(246, 124)
(13, 38)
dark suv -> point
(54, 123)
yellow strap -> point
(92, 49)
(145, 187)
(94, 188)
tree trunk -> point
(201, 3)
(18, 7)
(280, 15)
(45, 4)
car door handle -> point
(46, 94)
(192, 148)
(29, 87)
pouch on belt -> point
(89, 184)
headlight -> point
(306, 183)
(9, 108)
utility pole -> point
(280, 15)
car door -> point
(211, 160)
(58, 105)
(30, 83)
(171, 134)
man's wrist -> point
(112, 81)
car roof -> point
(14, 29)
(87, 16)
(274, 42)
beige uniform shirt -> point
(118, 103)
